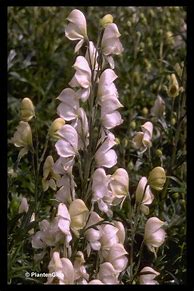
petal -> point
(63, 211)
(78, 18)
(69, 134)
(107, 159)
(64, 149)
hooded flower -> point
(119, 184)
(117, 257)
(67, 146)
(82, 128)
(79, 214)
(82, 78)
(77, 28)
(67, 189)
(158, 108)
(27, 111)
(154, 234)
(106, 87)
(109, 115)
(105, 156)
(147, 276)
(24, 206)
(143, 139)
(111, 44)
(92, 56)
(55, 126)
(68, 108)
(107, 274)
(157, 178)
(49, 176)
(144, 196)
(63, 269)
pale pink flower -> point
(68, 108)
(143, 139)
(144, 198)
(158, 108)
(109, 115)
(63, 269)
(64, 165)
(77, 28)
(67, 189)
(154, 235)
(82, 128)
(147, 276)
(67, 146)
(82, 78)
(111, 44)
(107, 274)
(119, 184)
(91, 56)
(79, 268)
(106, 87)
(105, 156)
(117, 257)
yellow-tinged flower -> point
(107, 19)
(23, 135)
(157, 178)
(79, 215)
(55, 126)
(27, 109)
(49, 176)
(173, 89)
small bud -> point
(157, 178)
(133, 124)
(159, 153)
(145, 111)
(55, 126)
(178, 69)
(175, 195)
(173, 121)
(27, 110)
(107, 19)
(173, 89)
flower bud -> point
(145, 111)
(117, 257)
(157, 178)
(23, 135)
(107, 19)
(27, 110)
(79, 214)
(55, 126)
(159, 153)
(173, 89)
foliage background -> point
(40, 61)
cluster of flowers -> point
(92, 87)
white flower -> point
(82, 78)
(105, 156)
(68, 108)
(23, 135)
(27, 111)
(79, 268)
(147, 276)
(154, 235)
(144, 198)
(77, 28)
(68, 145)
